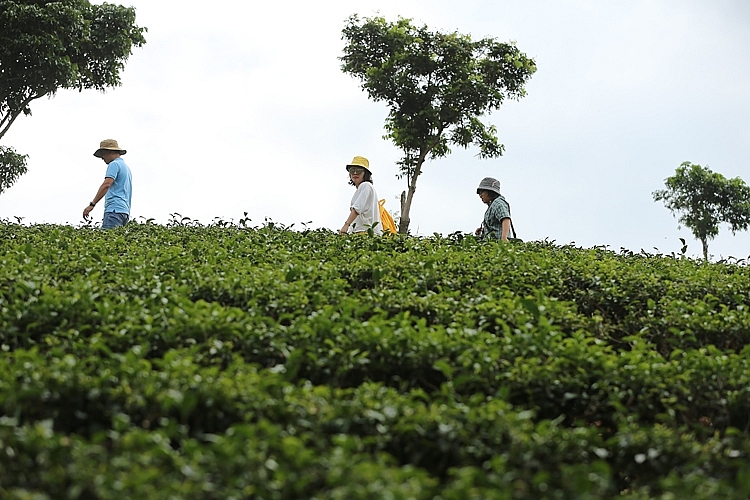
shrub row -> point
(671, 302)
(509, 345)
(234, 362)
(97, 425)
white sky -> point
(238, 106)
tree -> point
(49, 45)
(437, 86)
(704, 199)
(12, 166)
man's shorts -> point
(113, 219)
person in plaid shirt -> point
(496, 222)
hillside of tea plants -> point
(225, 362)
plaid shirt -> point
(493, 218)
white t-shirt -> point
(365, 203)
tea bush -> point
(223, 361)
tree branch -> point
(15, 115)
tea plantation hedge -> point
(225, 362)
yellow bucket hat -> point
(359, 161)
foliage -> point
(12, 166)
(705, 199)
(228, 361)
(436, 85)
(48, 45)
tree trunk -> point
(408, 195)
(704, 241)
(411, 182)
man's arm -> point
(108, 181)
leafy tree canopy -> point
(12, 166)
(436, 85)
(66, 44)
(704, 199)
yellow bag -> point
(386, 221)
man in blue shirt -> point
(116, 189)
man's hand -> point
(108, 181)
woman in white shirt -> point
(364, 211)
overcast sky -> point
(237, 106)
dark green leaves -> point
(12, 166)
(50, 45)
(232, 362)
(433, 82)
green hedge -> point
(233, 362)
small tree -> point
(705, 199)
(12, 166)
(436, 85)
(49, 45)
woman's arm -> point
(352, 215)
(505, 229)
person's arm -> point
(99, 195)
(505, 229)
(352, 215)
(359, 204)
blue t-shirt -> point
(119, 193)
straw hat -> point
(360, 161)
(489, 184)
(108, 145)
